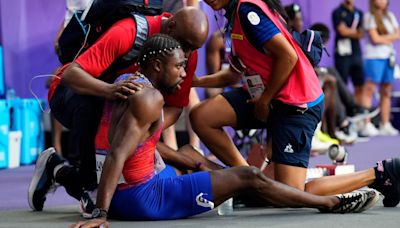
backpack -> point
(311, 44)
(87, 26)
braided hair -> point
(157, 46)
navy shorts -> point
(290, 128)
(350, 66)
(164, 198)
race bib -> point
(344, 47)
(100, 158)
(255, 85)
(159, 164)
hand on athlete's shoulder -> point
(124, 88)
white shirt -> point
(379, 51)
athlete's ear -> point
(156, 63)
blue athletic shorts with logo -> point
(164, 198)
(290, 128)
(378, 71)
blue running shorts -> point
(378, 71)
(168, 171)
(164, 198)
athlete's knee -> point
(256, 179)
(249, 173)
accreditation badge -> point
(254, 85)
(344, 47)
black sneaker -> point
(42, 181)
(355, 202)
(87, 204)
(387, 181)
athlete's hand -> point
(261, 108)
(92, 223)
(125, 88)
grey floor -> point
(61, 210)
(63, 216)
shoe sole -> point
(371, 202)
(365, 116)
(40, 167)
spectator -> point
(347, 21)
(383, 30)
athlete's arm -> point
(128, 128)
(126, 133)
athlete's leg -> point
(229, 182)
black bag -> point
(87, 26)
(311, 44)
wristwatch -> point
(99, 213)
